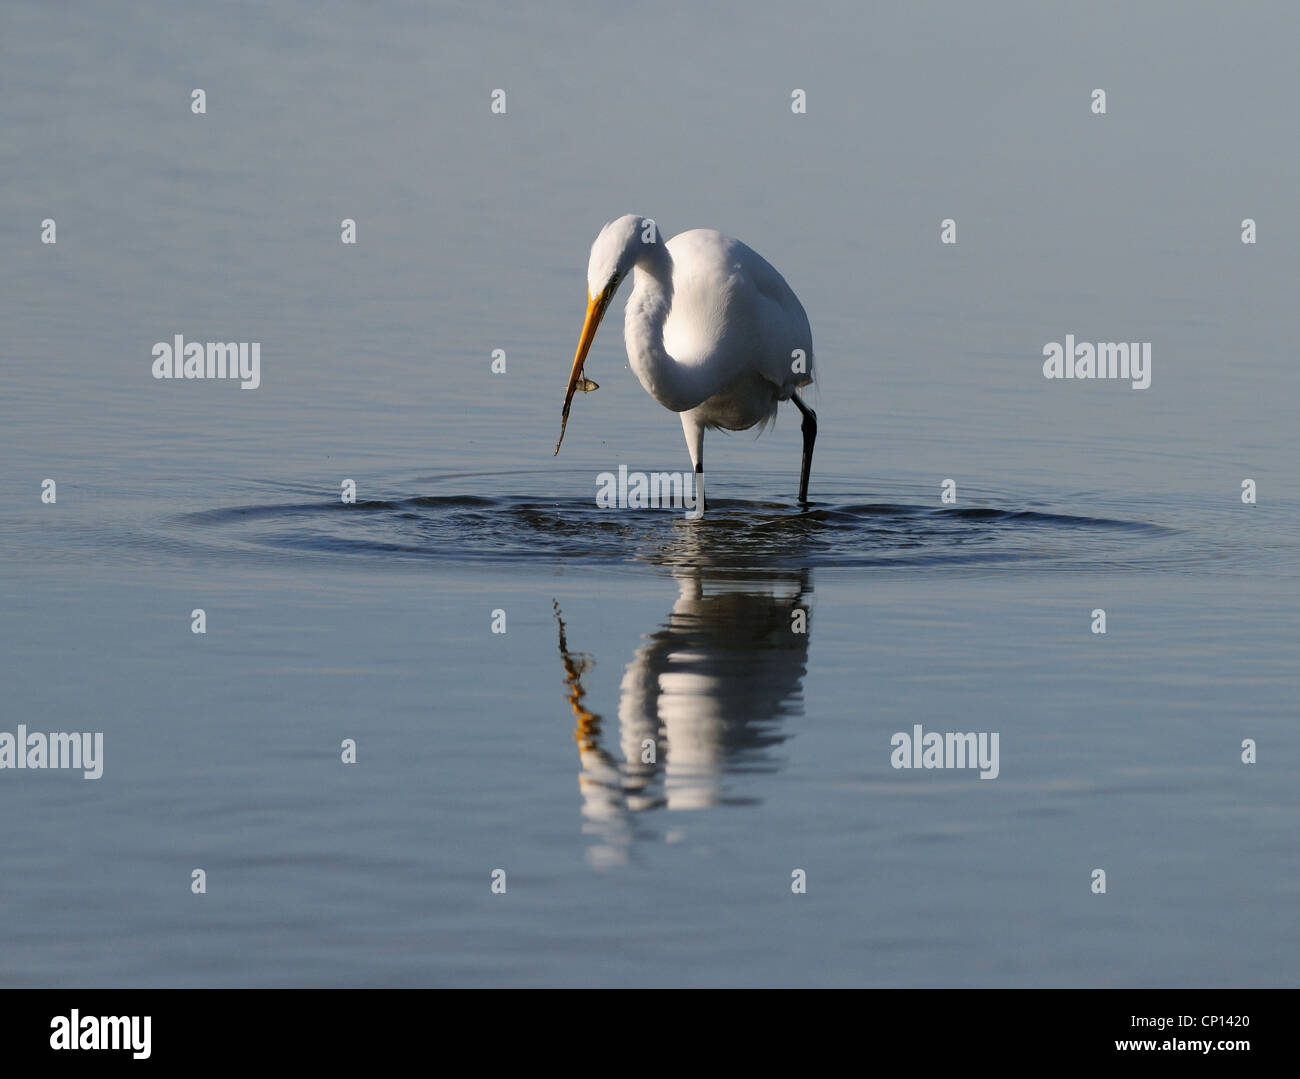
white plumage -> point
(712, 329)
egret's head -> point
(616, 250)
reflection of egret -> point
(601, 775)
(712, 331)
(704, 696)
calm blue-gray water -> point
(500, 650)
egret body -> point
(712, 331)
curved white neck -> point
(677, 386)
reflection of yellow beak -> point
(595, 312)
(587, 734)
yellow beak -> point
(595, 312)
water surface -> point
(768, 748)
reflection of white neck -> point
(604, 809)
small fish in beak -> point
(577, 381)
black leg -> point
(699, 486)
(809, 430)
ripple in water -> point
(735, 533)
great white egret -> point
(712, 331)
